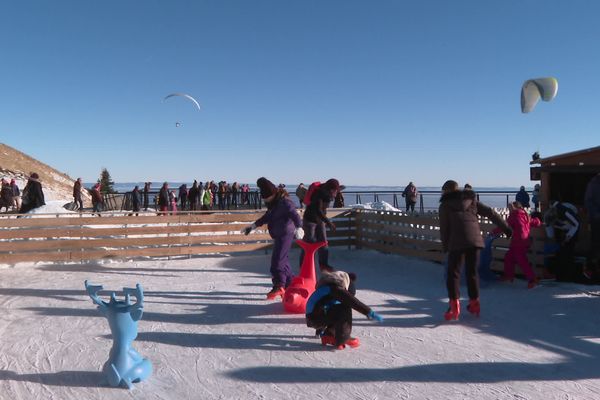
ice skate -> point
(352, 342)
(275, 292)
(533, 283)
(327, 340)
(474, 307)
(453, 310)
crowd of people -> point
(13, 199)
(10, 196)
(200, 196)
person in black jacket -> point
(77, 194)
(461, 239)
(315, 219)
(329, 309)
(163, 199)
(33, 195)
(147, 195)
(136, 201)
(183, 194)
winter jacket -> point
(33, 196)
(206, 197)
(6, 194)
(410, 192)
(323, 298)
(535, 196)
(96, 195)
(562, 222)
(193, 193)
(521, 224)
(136, 200)
(522, 197)
(163, 197)
(339, 201)
(459, 224)
(592, 199)
(316, 211)
(183, 191)
(77, 189)
(281, 217)
(301, 192)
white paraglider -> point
(534, 89)
(187, 96)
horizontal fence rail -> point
(419, 236)
(78, 237)
(88, 238)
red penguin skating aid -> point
(302, 286)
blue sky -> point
(371, 92)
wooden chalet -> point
(564, 177)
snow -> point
(211, 335)
(57, 208)
(376, 205)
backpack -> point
(311, 189)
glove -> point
(298, 233)
(248, 229)
(373, 315)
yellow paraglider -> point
(534, 89)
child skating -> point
(329, 309)
(521, 224)
(284, 224)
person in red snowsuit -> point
(521, 224)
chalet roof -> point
(592, 153)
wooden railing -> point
(419, 236)
(81, 238)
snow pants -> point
(517, 254)
(316, 232)
(455, 261)
(281, 272)
(336, 322)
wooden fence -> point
(419, 236)
(78, 238)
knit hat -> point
(338, 278)
(450, 186)
(333, 184)
(267, 188)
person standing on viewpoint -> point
(410, 194)
(77, 194)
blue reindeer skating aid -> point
(124, 365)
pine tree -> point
(106, 184)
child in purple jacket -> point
(284, 225)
